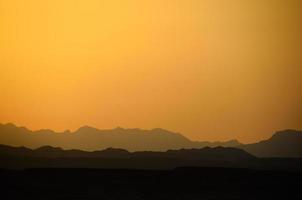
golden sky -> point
(210, 69)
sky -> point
(209, 69)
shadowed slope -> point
(16, 157)
(287, 143)
(53, 157)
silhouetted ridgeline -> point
(50, 157)
(91, 139)
(286, 143)
(14, 157)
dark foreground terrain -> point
(180, 183)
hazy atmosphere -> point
(211, 70)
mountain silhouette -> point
(287, 143)
(47, 156)
(54, 157)
(91, 139)
(215, 153)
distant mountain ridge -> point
(90, 139)
(208, 153)
(287, 143)
(46, 156)
(55, 157)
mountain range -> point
(55, 157)
(287, 143)
(206, 153)
(92, 139)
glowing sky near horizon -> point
(210, 69)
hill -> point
(287, 143)
(44, 157)
(54, 157)
(91, 139)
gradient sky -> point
(210, 69)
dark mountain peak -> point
(114, 150)
(229, 143)
(66, 131)
(9, 150)
(8, 126)
(169, 134)
(231, 153)
(44, 131)
(87, 129)
(286, 143)
(118, 128)
(125, 130)
(12, 128)
(209, 149)
(49, 148)
(163, 131)
(215, 153)
(287, 134)
(2, 146)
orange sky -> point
(212, 70)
